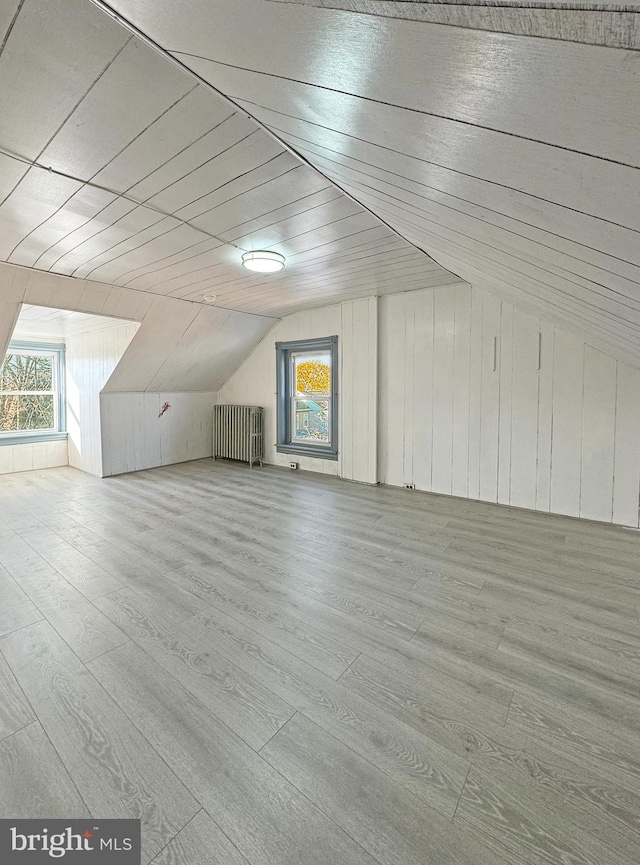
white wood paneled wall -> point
(135, 438)
(91, 358)
(254, 383)
(358, 444)
(481, 400)
(29, 456)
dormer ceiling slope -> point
(503, 141)
(118, 166)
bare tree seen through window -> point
(27, 392)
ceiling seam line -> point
(102, 209)
(11, 26)
(500, 228)
(427, 162)
(539, 267)
(459, 198)
(405, 108)
(124, 196)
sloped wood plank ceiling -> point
(511, 158)
(119, 167)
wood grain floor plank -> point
(79, 570)
(316, 647)
(432, 771)
(261, 813)
(389, 823)
(15, 711)
(608, 673)
(114, 768)
(526, 677)
(415, 656)
(435, 680)
(440, 607)
(585, 792)
(16, 610)
(35, 782)
(85, 628)
(241, 702)
(516, 823)
(610, 749)
(201, 842)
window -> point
(32, 393)
(308, 397)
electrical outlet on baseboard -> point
(293, 465)
(409, 486)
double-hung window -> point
(32, 393)
(308, 397)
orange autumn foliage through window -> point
(313, 377)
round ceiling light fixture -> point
(262, 261)
(209, 298)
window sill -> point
(308, 451)
(32, 438)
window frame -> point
(15, 437)
(284, 399)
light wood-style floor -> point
(284, 669)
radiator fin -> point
(237, 433)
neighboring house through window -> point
(32, 406)
(308, 397)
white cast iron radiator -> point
(237, 433)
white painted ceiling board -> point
(37, 197)
(211, 349)
(234, 147)
(586, 236)
(164, 270)
(576, 96)
(193, 348)
(545, 249)
(42, 321)
(190, 117)
(112, 210)
(232, 193)
(54, 52)
(94, 134)
(289, 194)
(176, 170)
(163, 239)
(108, 236)
(585, 22)
(81, 207)
(8, 12)
(116, 257)
(179, 345)
(389, 135)
(511, 159)
(11, 171)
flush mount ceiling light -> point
(261, 261)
